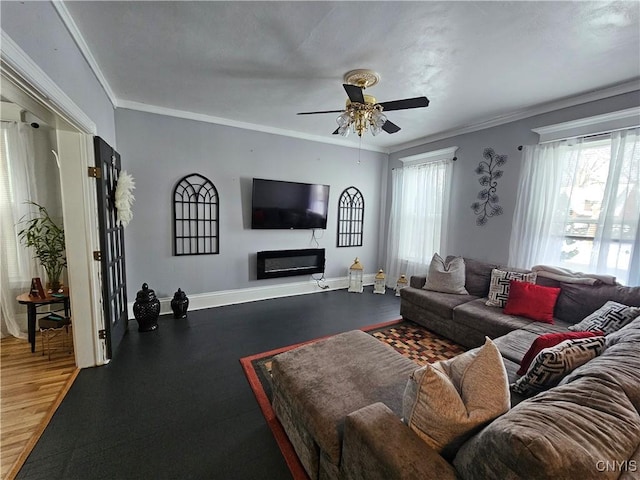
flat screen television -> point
(277, 204)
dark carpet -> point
(175, 403)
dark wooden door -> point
(114, 284)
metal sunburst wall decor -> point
(488, 206)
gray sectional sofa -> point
(340, 399)
(466, 319)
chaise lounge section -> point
(340, 399)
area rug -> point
(408, 338)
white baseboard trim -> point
(199, 301)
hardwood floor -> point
(31, 388)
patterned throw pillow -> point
(548, 340)
(446, 277)
(611, 317)
(445, 402)
(552, 364)
(499, 286)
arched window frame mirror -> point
(350, 218)
(196, 213)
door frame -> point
(28, 84)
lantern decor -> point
(379, 283)
(401, 283)
(146, 309)
(179, 304)
(355, 277)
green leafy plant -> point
(47, 240)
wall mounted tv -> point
(277, 204)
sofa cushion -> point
(628, 333)
(619, 362)
(575, 302)
(489, 320)
(612, 316)
(562, 434)
(552, 364)
(445, 401)
(499, 287)
(442, 304)
(514, 345)
(477, 276)
(548, 340)
(446, 276)
(531, 301)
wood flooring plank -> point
(31, 389)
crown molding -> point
(427, 157)
(619, 89)
(200, 117)
(608, 122)
(21, 69)
(73, 29)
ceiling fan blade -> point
(416, 102)
(354, 92)
(323, 111)
(390, 127)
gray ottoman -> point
(316, 386)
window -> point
(350, 218)
(579, 206)
(585, 191)
(419, 212)
(16, 189)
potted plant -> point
(47, 240)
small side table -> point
(33, 303)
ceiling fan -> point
(363, 111)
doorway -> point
(74, 143)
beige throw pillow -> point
(445, 402)
(446, 277)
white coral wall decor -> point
(124, 197)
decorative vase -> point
(180, 304)
(146, 309)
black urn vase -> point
(179, 304)
(146, 309)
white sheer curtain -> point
(616, 239)
(547, 180)
(537, 232)
(17, 186)
(419, 217)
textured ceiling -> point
(261, 62)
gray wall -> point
(491, 241)
(159, 150)
(38, 30)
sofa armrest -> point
(417, 281)
(377, 445)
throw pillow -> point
(549, 340)
(612, 316)
(532, 301)
(552, 364)
(446, 277)
(499, 286)
(445, 402)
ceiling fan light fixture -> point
(378, 119)
(362, 111)
(344, 119)
(344, 130)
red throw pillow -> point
(532, 301)
(549, 340)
